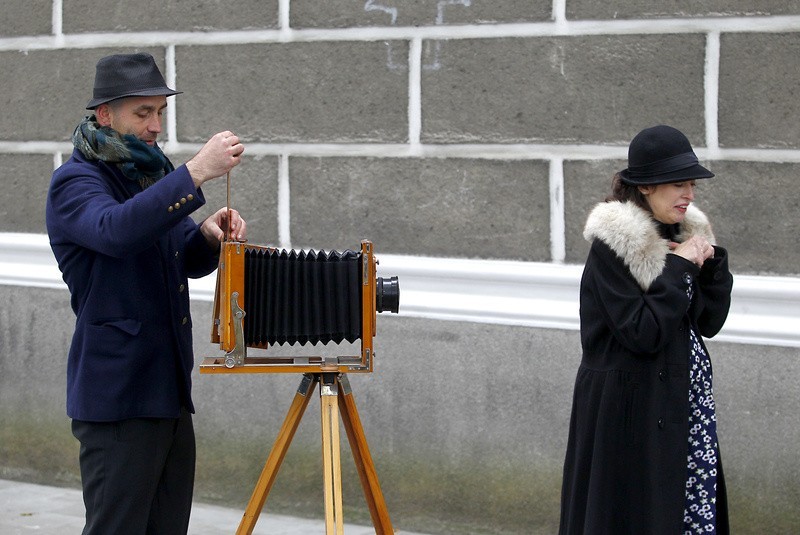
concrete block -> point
(254, 193)
(757, 226)
(24, 184)
(26, 17)
(755, 393)
(341, 14)
(456, 208)
(586, 183)
(586, 89)
(759, 74)
(299, 92)
(647, 9)
(153, 15)
(36, 444)
(43, 93)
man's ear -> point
(103, 115)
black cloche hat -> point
(660, 155)
(127, 75)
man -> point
(119, 226)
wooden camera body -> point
(266, 297)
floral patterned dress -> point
(700, 513)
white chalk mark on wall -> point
(442, 5)
(557, 59)
(435, 47)
(712, 91)
(414, 95)
(432, 48)
(284, 203)
(558, 245)
(371, 5)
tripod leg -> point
(363, 460)
(276, 455)
(331, 462)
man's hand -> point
(219, 155)
(214, 227)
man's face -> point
(139, 116)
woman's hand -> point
(696, 250)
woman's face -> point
(669, 201)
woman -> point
(642, 456)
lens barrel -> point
(387, 295)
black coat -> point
(626, 464)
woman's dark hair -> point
(620, 191)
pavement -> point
(27, 508)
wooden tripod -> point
(334, 391)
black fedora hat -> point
(127, 75)
(660, 155)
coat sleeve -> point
(714, 300)
(642, 321)
(201, 259)
(88, 208)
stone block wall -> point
(458, 129)
(525, 108)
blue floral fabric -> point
(700, 514)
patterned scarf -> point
(136, 159)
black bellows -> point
(293, 297)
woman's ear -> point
(645, 190)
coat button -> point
(183, 200)
(181, 288)
(662, 375)
(170, 209)
(661, 423)
(687, 277)
(190, 197)
(185, 320)
(177, 205)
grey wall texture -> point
(460, 129)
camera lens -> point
(387, 295)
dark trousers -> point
(137, 475)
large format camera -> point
(268, 297)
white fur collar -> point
(633, 235)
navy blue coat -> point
(125, 255)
